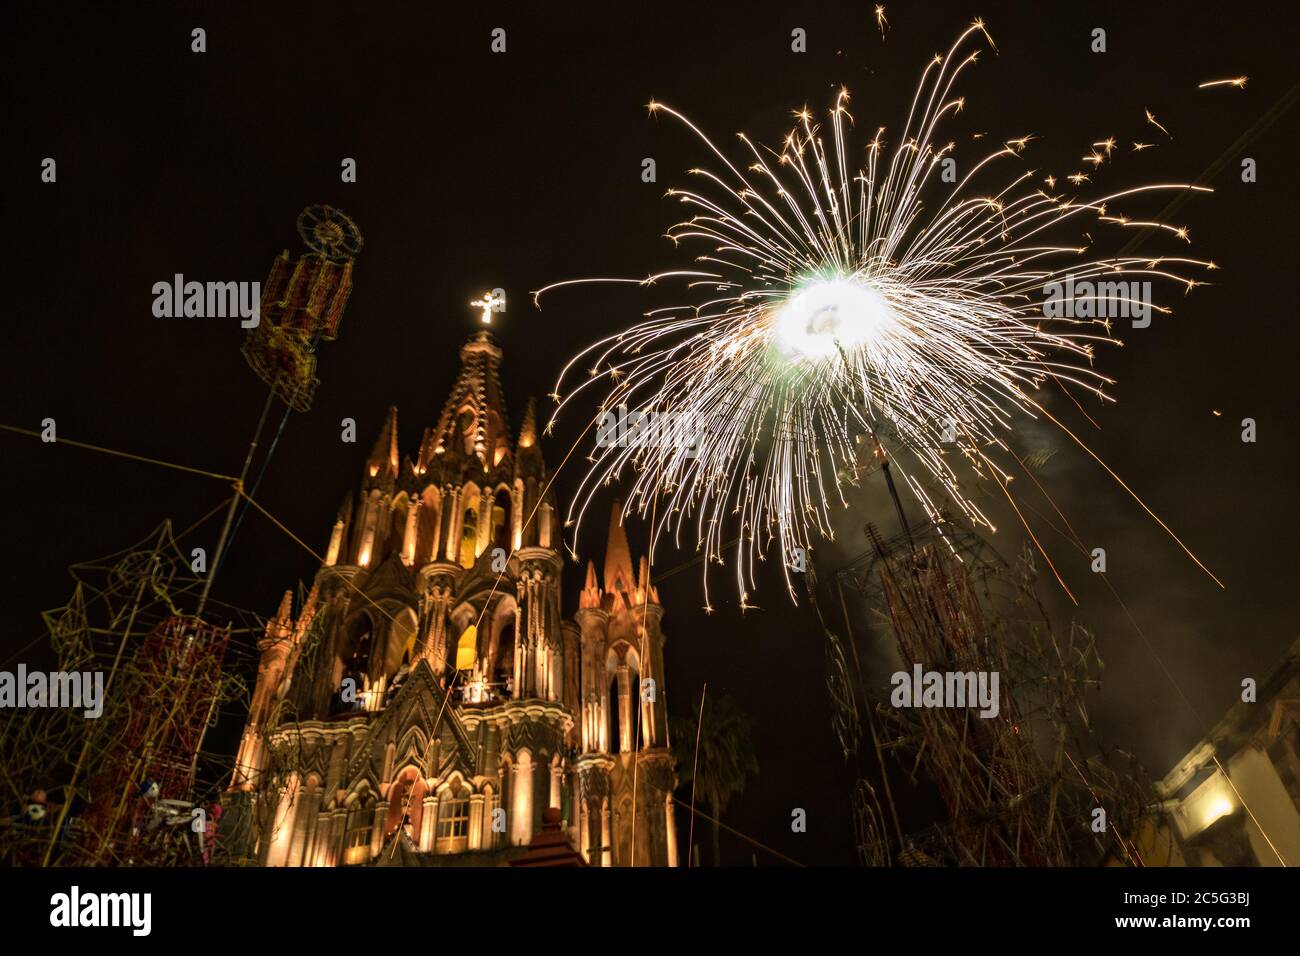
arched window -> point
(615, 717)
(453, 819)
(397, 522)
(356, 665)
(360, 662)
(635, 725)
(494, 429)
(505, 668)
(356, 839)
(405, 804)
(469, 537)
(404, 631)
(426, 536)
(467, 649)
(466, 422)
(501, 520)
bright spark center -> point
(829, 314)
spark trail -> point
(838, 306)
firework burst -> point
(838, 309)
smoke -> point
(1173, 649)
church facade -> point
(430, 700)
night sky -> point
(478, 171)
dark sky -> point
(478, 170)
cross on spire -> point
(488, 304)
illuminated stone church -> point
(431, 699)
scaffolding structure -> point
(121, 789)
(133, 786)
(1030, 786)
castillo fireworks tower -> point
(302, 304)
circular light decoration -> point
(329, 232)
